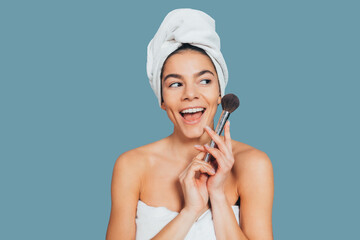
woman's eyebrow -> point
(174, 75)
(203, 72)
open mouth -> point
(192, 114)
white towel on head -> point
(184, 26)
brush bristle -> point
(230, 102)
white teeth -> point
(192, 110)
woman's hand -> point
(193, 182)
(224, 159)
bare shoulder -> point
(125, 191)
(131, 159)
(245, 154)
(251, 165)
(127, 174)
(138, 159)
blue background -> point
(74, 95)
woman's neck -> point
(182, 148)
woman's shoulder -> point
(141, 156)
(249, 160)
(243, 150)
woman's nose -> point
(190, 92)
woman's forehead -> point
(188, 62)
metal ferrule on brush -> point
(219, 128)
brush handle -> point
(219, 128)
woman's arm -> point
(254, 173)
(179, 227)
(125, 188)
(225, 224)
(255, 183)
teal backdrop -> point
(74, 95)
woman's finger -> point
(200, 148)
(217, 139)
(227, 136)
(206, 164)
(197, 159)
(200, 156)
(203, 178)
(190, 174)
(219, 156)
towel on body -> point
(184, 26)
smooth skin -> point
(171, 172)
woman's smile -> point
(192, 115)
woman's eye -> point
(176, 84)
(205, 81)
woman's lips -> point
(192, 118)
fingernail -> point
(207, 127)
(212, 171)
(198, 146)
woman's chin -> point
(191, 131)
(194, 134)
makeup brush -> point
(229, 103)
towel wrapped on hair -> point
(184, 26)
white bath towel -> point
(184, 26)
(151, 220)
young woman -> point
(164, 190)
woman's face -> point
(190, 92)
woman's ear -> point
(219, 100)
(163, 106)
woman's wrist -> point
(189, 214)
(217, 196)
